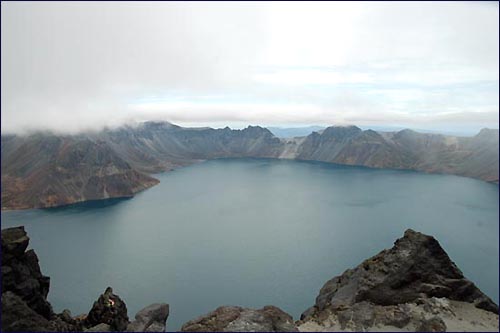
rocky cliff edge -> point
(414, 286)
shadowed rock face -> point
(415, 269)
(24, 299)
(237, 319)
(17, 316)
(108, 309)
(21, 273)
(25, 288)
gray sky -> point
(76, 66)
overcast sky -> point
(77, 66)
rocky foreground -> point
(413, 286)
(25, 307)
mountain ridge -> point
(45, 170)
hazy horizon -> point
(72, 67)
(315, 127)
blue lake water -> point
(253, 232)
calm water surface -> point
(253, 232)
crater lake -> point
(253, 232)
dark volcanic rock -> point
(17, 316)
(21, 273)
(108, 309)
(150, 319)
(237, 319)
(24, 289)
(25, 306)
(14, 243)
(415, 268)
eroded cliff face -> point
(47, 170)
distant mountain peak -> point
(488, 131)
(257, 130)
(341, 131)
(487, 134)
(156, 124)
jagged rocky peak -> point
(109, 313)
(257, 130)
(24, 289)
(417, 266)
(407, 131)
(406, 285)
(409, 136)
(488, 134)
(109, 309)
(25, 307)
(21, 273)
(156, 125)
(414, 286)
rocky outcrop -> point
(414, 286)
(417, 266)
(407, 283)
(109, 314)
(238, 319)
(25, 288)
(150, 319)
(21, 273)
(17, 316)
(24, 299)
(108, 309)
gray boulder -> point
(150, 319)
(238, 319)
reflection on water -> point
(86, 205)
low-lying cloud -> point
(70, 67)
